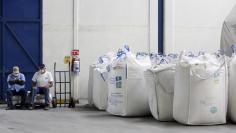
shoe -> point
(46, 107)
(23, 107)
(31, 107)
(10, 108)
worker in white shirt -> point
(42, 82)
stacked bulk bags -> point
(160, 83)
(200, 93)
(127, 95)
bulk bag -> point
(143, 59)
(127, 95)
(90, 85)
(100, 89)
(160, 83)
(97, 88)
(200, 93)
(232, 86)
(228, 34)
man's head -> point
(15, 70)
(42, 68)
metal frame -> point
(65, 83)
(161, 26)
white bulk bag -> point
(143, 59)
(232, 87)
(100, 66)
(228, 34)
(160, 83)
(200, 91)
(90, 85)
(100, 89)
(127, 95)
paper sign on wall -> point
(67, 59)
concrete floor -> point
(85, 120)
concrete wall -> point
(195, 24)
(102, 26)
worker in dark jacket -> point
(16, 86)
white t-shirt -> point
(42, 79)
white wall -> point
(57, 32)
(103, 25)
(194, 25)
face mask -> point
(42, 71)
(15, 74)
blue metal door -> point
(20, 38)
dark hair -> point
(41, 66)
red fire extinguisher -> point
(75, 64)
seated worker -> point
(42, 81)
(16, 86)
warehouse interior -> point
(95, 48)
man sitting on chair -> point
(42, 81)
(16, 86)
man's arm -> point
(50, 83)
(9, 81)
(21, 81)
(34, 83)
(34, 80)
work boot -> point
(22, 107)
(31, 107)
(46, 107)
(10, 107)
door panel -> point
(1, 55)
(22, 9)
(21, 38)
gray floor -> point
(86, 120)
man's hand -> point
(46, 86)
(12, 82)
(49, 85)
(34, 87)
(20, 82)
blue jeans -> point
(40, 90)
(10, 93)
